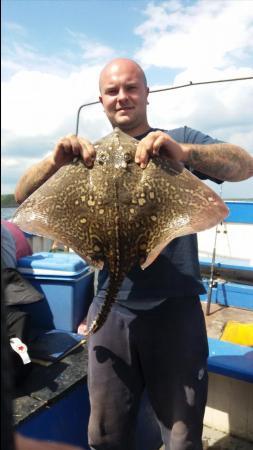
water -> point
(7, 213)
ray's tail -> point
(98, 322)
(115, 273)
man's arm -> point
(25, 443)
(33, 178)
(64, 152)
(226, 162)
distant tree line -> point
(8, 201)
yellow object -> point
(238, 333)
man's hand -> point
(226, 162)
(83, 327)
(24, 443)
(158, 142)
(71, 146)
(64, 152)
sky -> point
(53, 51)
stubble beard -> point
(126, 124)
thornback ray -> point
(117, 213)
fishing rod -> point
(153, 91)
(211, 279)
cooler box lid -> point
(46, 264)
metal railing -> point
(153, 91)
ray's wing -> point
(168, 201)
(63, 209)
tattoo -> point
(222, 161)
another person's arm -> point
(226, 162)
(24, 443)
(64, 152)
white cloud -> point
(38, 103)
(201, 36)
(199, 41)
(222, 111)
(204, 41)
(91, 50)
(10, 162)
(41, 93)
(40, 98)
(18, 54)
(14, 28)
(37, 110)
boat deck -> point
(219, 315)
(217, 440)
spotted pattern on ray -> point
(117, 212)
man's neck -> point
(137, 131)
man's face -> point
(124, 97)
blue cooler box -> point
(67, 283)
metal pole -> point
(165, 89)
(198, 83)
(79, 111)
(211, 280)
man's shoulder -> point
(183, 134)
(190, 135)
(178, 134)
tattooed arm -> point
(222, 161)
(226, 162)
(64, 152)
(33, 178)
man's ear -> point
(100, 99)
(147, 95)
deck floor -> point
(215, 323)
(217, 440)
(219, 315)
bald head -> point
(124, 93)
(117, 64)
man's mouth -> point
(125, 108)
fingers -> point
(83, 327)
(70, 146)
(151, 145)
(148, 147)
(87, 152)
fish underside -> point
(117, 213)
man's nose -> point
(122, 94)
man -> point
(155, 334)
